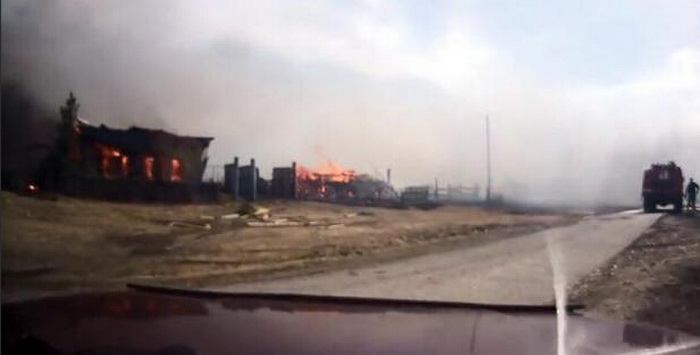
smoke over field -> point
(580, 100)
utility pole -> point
(488, 160)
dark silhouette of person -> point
(691, 193)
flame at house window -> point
(148, 167)
(176, 174)
(125, 165)
(114, 163)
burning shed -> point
(329, 182)
(326, 181)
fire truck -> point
(663, 185)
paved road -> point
(517, 270)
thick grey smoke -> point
(266, 84)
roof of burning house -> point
(135, 139)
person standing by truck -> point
(691, 193)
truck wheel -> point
(678, 207)
(649, 206)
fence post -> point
(295, 194)
(254, 181)
(235, 184)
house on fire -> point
(134, 161)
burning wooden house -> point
(142, 154)
(134, 161)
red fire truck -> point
(663, 185)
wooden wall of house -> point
(190, 152)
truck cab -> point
(663, 185)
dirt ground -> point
(69, 244)
(655, 280)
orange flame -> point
(176, 171)
(148, 167)
(328, 172)
(125, 165)
(114, 163)
(323, 181)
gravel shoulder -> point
(655, 280)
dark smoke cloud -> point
(126, 70)
(28, 132)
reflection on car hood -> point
(137, 322)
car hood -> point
(139, 322)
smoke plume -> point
(373, 86)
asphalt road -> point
(518, 270)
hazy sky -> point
(582, 95)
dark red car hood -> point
(138, 322)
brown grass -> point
(95, 244)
